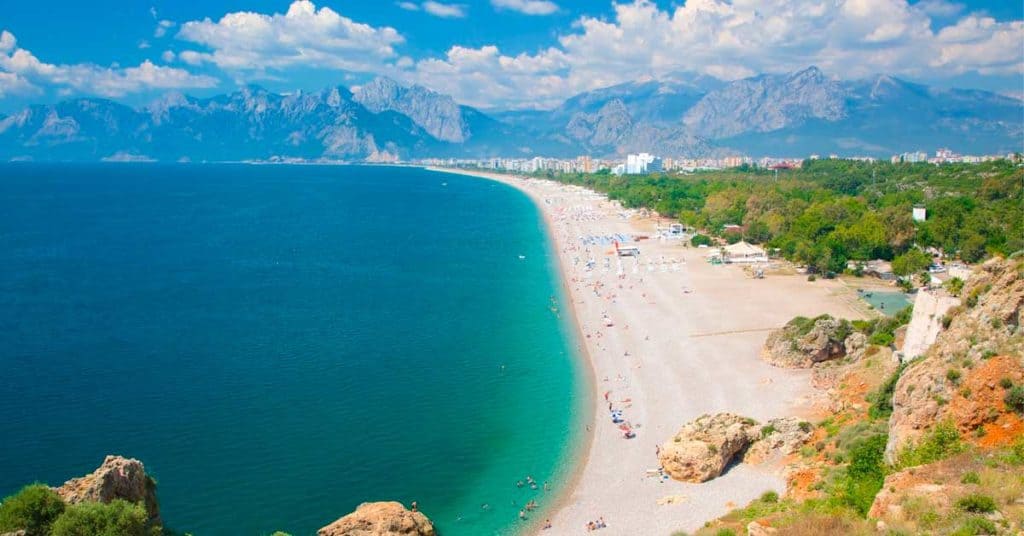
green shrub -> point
(1014, 398)
(881, 400)
(805, 426)
(33, 509)
(970, 477)
(770, 497)
(954, 286)
(725, 532)
(700, 240)
(976, 526)
(953, 375)
(861, 480)
(940, 443)
(977, 503)
(767, 431)
(1005, 382)
(118, 518)
(881, 339)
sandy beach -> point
(684, 340)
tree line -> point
(829, 212)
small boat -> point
(521, 257)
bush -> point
(770, 497)
(33, 509)
(767, 431)
(976, 526)
(700, 240)
(940, 443)
(805, 426)
(865, 474)
(1005, 382)
(881, 400)
(970, 477)
(1015, 398)
(953, 375)
(119, 518)
(954, 286)
(977, 503)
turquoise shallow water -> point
(281, 343)
(886, 302)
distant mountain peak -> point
(438, 114)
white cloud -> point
(408, 6)
(527, 7)
(448, 11)
(15, 84)
(729, 39)
(162, 27)
(940, 8)
(88, 78)
(167, 56)
(143, 45)
(303, 36)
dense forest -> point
(831, 211)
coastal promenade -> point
(668, 337)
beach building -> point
(920, 213)
(743, 252)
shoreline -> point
(667, 337)
(578, 454)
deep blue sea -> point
(281, 343)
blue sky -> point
(491, 53)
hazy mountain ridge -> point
(684, 115)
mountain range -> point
(791, 114)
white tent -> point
(744, 252)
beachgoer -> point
(547, 524)
(414, 506)
(522, 515)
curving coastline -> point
(685, 341)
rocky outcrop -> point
(803, 342)
(915, 484)
(116, 478)
(778, 437)
(705, 447)
(380, 519)
(987, 325)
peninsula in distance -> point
(512, 267)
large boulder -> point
(802, 342)
(704, 448)
(116, 478)
(380, 519)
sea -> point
(280, 343)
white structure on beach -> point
(743, 252)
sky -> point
(493, 54)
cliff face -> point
(955, 381)
(380, 519)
